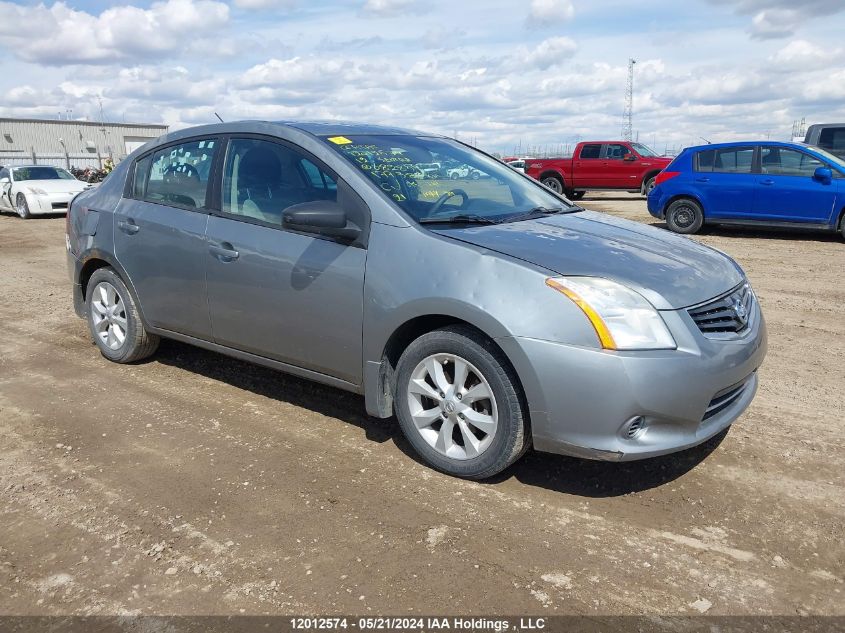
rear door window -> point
(729, 160)
(780, 161)
(179, 174)
(593, 150)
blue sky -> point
(506, 74)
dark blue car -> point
(754, 183)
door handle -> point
(224, 252)
(702, 180)
(767, 182)
(128, 226)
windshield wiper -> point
(538, 212)
(463, 218)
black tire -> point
(554, 183)
(22, 207)
(511, 437)
(474, 175)
(648, 186)
(842, 226)
(576, 195)
(685, 216)
(138, 343)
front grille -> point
(724, 399)
(728, 314)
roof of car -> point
(328, 128)
(747, 143)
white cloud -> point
(773, 19)
(60, 35)
(390, 8)
(551, 52)
(265, 4)
(549, 12)
(803, 55)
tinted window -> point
(261, 179)
(4, 173)
(832, 139)
(179, 174)
(591, 151)
(733, 160)
(615, 151)
(787, 162)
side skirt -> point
(261, 360)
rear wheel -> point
(459, 404)
(842, 226)
(114, 320)
(554, 183)
(22, 206)
(685, 216)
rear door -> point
(160, 235)
(787, 190)
(289, 296)
(587, 169)
(726, 182)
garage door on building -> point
(132, 143)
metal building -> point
(68, 143)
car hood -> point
(58, 185)
(669, 270)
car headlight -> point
(37, 191)
(623, 319)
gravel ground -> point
(197, 484)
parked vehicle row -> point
(762, 183)
(599, 166)
(488, 317)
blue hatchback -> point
(754, 183)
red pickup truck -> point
(599, 165)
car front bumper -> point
(48, 203)
(581, 400)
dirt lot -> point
(196, 484)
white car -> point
(463, 172)
(37, 189)
(518, 165)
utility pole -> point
(628, 129)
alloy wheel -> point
(109, 315)
(553, 184)
(452, 406)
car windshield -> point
(833, 158)
(41, 173)
(644, 150)
(438, 179)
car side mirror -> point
(629, 157)
(320, 216)
(824, 175)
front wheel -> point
(648, 186)
(684, 216)
(459, 403)
(114, 319)
(22, 206)
(554, 183)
